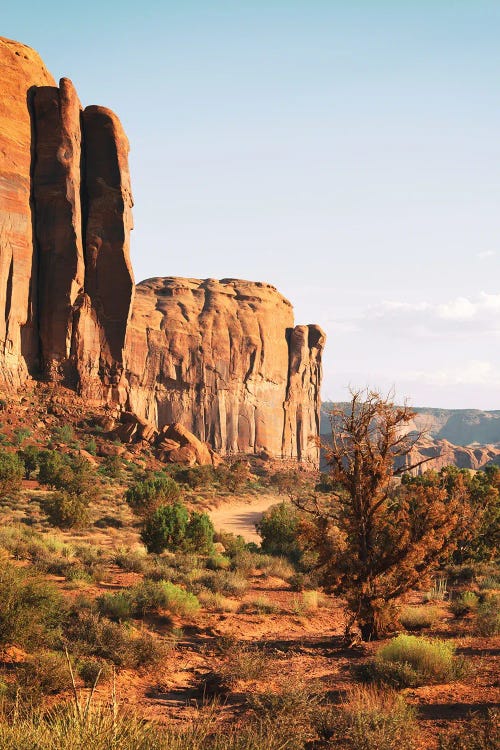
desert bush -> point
(488, 616)
(418, 618)
(218, 562)
(278, 567)
(29, 457)
(278, 528)
(477, 733)
(63, 434)
(233, 476)
(243, 661)
(233, 544)
(156, 489)
(66, 509)
(200, 533)
(11, 473)
(45, 673)
(165, 528)
(91, 669)
(377, 719)
(489, 583)
(132, 561)
(31, 610)
(195, 477)
(112, 467)
(464, 604)
(216, 602)
(117, 606)
(92, 635)
(225, 582)
(417, 660)
(158, 596)
(260, 605)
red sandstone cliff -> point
(222, 358)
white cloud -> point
(473, 372)
(486, 254)
(457, 318)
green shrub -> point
(233, 544)
(412, 660)
(63, 434)
(157, 596)
(165, 528)
(20, 435)
(157, 489)
(71, 474)
(195, 477)
(11, 473)
(200, 533)
(278, 528)
(112, 467)
(29, 457)
(117, 606)
(66, 509)
(417, 618)
(488, 616)
(31, 610)
(466, 603)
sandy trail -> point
(241, 517)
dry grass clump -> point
(217, 602)
(464, 604)
(377, 719)
(418, 618)
(260, 605)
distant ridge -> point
(457, 426)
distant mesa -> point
(223, 359)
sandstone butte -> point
(221, 358)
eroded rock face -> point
(21, 69)
(220, 360)
(66, 282)
(58, 220)
(215, 356)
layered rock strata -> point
(221, 359)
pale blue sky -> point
(347, 152)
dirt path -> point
(240, 517)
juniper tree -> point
(376, 539)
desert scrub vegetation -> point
(163, 596)
(374, 718)
(154, 489)
(172, 527)
(11, 473)
(99, 726)
(31, 609)
(477, 733)
(410, 661)
(418, 618)
(487, 621)
(464, 604)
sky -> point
(346, 152)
